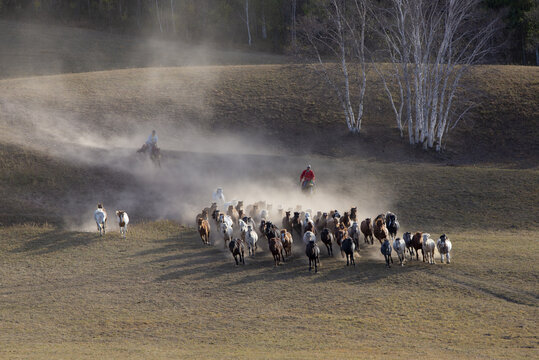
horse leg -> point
(310, 264)
(353, 261)
(447, 257)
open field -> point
(160, 293)
(250, 124)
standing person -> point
(306, 176)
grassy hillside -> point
(28, 49)
(286, 102)
(161, 294)
(68, 141)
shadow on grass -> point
(216, 263)
(54, 241)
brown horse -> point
(321, 222)
(276, 247)
(204, 231)
(310, 227)
(417, 244)
(380, 231)
(239, 206)
(346, 219)
(233, 213)
(353, 214)
(203, 215)
(366, 229)
(286, 239)
(287, 222)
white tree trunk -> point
(247, 22)
(158, 16)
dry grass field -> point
(161, 294)
(67, 141)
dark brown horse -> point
(417, 244)
(345, 220)
(340, 235)
(237, 248)
(327, 238)
(297, 227)
(353, 214)
(313, 253)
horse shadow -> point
(54, 240)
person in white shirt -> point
(152, 139)
(219, 197)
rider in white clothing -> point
(152, 139)
(219, 197)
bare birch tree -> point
(336, 31)
(246, 21)
(431, 44)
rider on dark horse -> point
(307, 177)
(151, 144)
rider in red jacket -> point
(306, 175)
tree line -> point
(269, 25)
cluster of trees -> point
(425, 46)
(263, 24)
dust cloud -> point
(98, 120)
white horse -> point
(353, 232)
(226, 231)
(308, 237)
(444, 247)
(226, 219)
(123, 220)
(251, 237)
(428, 248)
(100, 216)
(399, 245)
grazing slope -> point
(68, 141)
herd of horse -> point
(240, 229)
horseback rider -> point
(306, 177)
(152, 140)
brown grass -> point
(161, 293)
